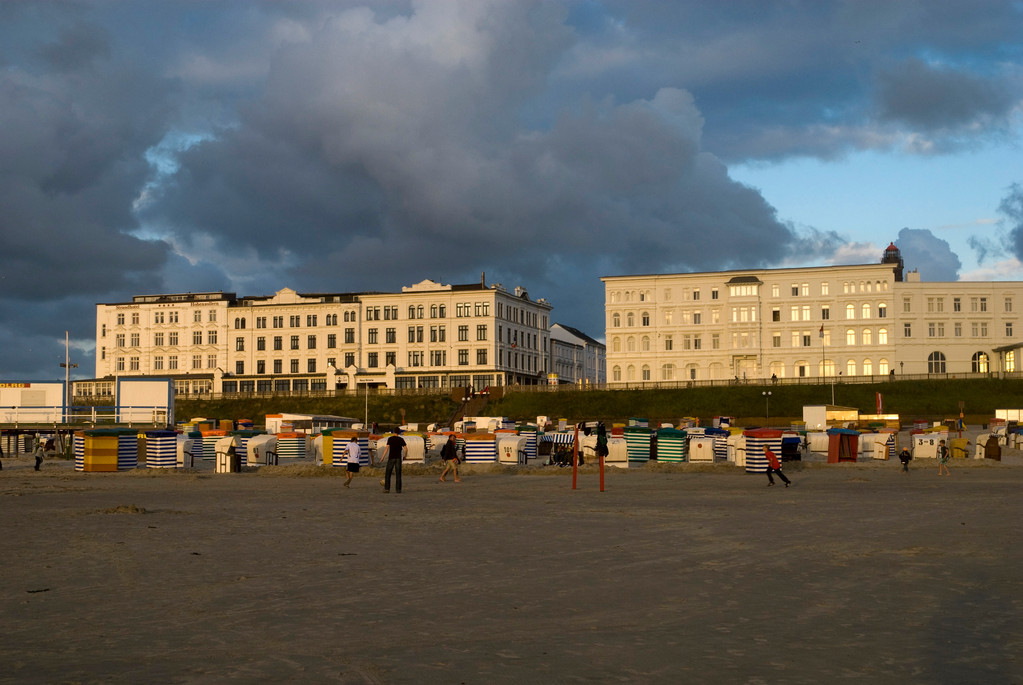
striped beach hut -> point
(78, 449)
(757, 440)
(209, 443)
(334, 441)
(291, 445)
(161, 449)
(127, 449)
(720, 438)
(480, 448)
(671, 445)
(529, 433)
(639, 442)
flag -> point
(879, 404)
(822, 331)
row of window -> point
(936, 329)
(978, 304)
(750, 290)
(416, 334)
(163, 316)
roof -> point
(579, 334)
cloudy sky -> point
(247, 146)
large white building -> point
(576, 358)
(858, 320)
(429, 335)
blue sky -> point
(249, 145)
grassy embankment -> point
(931, 400)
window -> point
(481, 332)
(463, 333)
(391, 336)
(482, 309)
(172, 362)
(882, 311)
(197, 316)
(294, 342)
(979, 362)
(349, 359)
(866, 336)
(463, 357)
(713, 293)
(239, 344)
(795, 289)
(825, 288)
(850, 337)
(1010, 361)
(806, 312)
(120, 363)
(907, 305)
(1008, 329)
(850, 311)
(776, 340)
(715, 341)
(936, 362)
(211, 337)
(958, 328)
(261, 366)
(616, 320)
(157, 363)
(983, 304)
(438, 358)
(261, 343)
(882, 367)
(158, 339)
(645, 319)
(865, 311)
(134, 339)
(239, 367)
(278, 322)
(278, 342)
(646, 372)
(775, 314)
(311, 342)
(390, 358)
(806, 339)
(133, 364)
(310, 320)
(957, 304)
(211, 361)
(825, 313)
(868, 367)
(372, 336)
(197, 337)
(850, 367)
(668, 372)
(1008, 304)
(294, 366)
(882, 336)
(907, 330)
(196, 361)
(331, 341)
(295, 321)
(260, 322)
(481, 356)
(696, 293)
(278, 366)
(349, 336)
(668, 343)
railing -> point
(568, 387)
(79, 415)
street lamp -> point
(767, 400)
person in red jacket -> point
(774, 466)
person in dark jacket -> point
(449, 452)
(904, 457)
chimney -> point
(483, 279)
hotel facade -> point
(429, 335)
(870, 320)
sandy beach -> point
(857, 573)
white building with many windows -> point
(856, 320)
(429, 335)
(576, 358)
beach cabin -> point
(309, 424)
(843, 444)
(671, 445)
(757, 440)
(511, 448)
(335, 439)
(720, 438)
(639, 440)
(161, 449)
(262, 450)
(480, 448)
(617, 453)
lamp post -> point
(767, 400)
(67, 365)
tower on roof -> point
(893, 256)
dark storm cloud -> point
(1011, 209)
(931, 256)
(938, 99)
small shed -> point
(843, 444)
(757, 440)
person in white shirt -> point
(352, 455)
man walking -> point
(449, 452)
(395, 451)
(774, 466)
(352, 454)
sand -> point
(857, 573)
